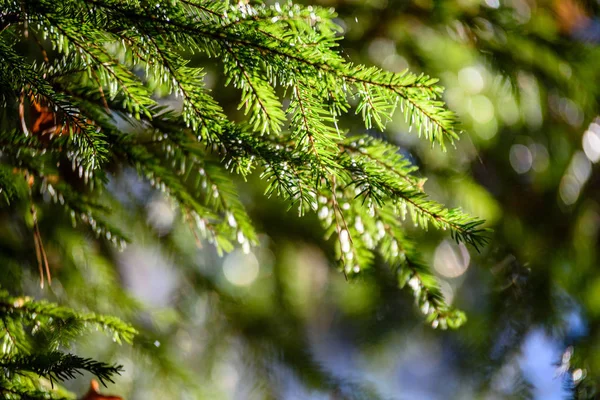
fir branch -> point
(24, 387)
(206, 7)
(24, 307)
(378, 188)
(401, 255)
(419, 92)
(14, 337)
(310, 131)
(227, 198)
(257, 94)
(89, 149)
(87, 41)
(57, 366)
(114, 56)
(384, 155)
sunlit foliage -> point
(92, 100)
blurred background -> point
(282, 323)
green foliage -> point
(104, 73)
(57, 366)
(34, 335)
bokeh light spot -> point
(591, 143)
(521, 158)
(481, 109)
(160, 214)
(395, 63)
(569, 190)
(241, 269)
(581, 167)
(509, 111)
(471, 79)
(451, 260)
(541, 158)
(488, 130)
(381, 48)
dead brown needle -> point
(39, 250)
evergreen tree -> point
(521, 75)
(87, 89)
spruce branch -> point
(258, 96)
(25, 387)
(57, 366)
(87, 145)
(26, 308)
(114, 61)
